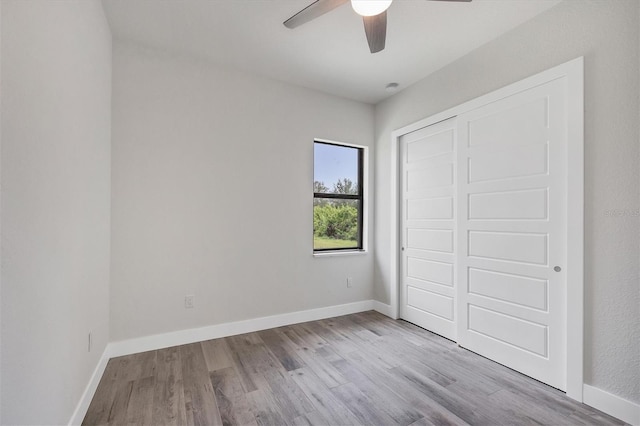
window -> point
(337, 197)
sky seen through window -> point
(332, 163)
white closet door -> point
(511, 247)
(427, 295)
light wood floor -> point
(356, 369)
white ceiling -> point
(329, 54)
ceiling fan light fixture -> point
(370, 7)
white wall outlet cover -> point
(189, 301)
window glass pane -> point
(335, 169)
(335, 223)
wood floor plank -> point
(323, 399)
(140, 407)
(593, 418)
(367, 412)
(251, 358)
(266, 409)
(311, 339)
(312, 419)
(137, 366)
(463, 408)
(168, 397)
(319, 364)
(355, 369)
(371, 320)
(517, 410)
(146, 364)
(505, 378)
(274, 342)
(301, 421)
(216, 354)
(120, 404)
(128, 371)
(290, 397)
(198, 392)
(418, 334)
(98, 411)
(430, 410)
(442, 369)
(232, 401)
(337, 342)
(240, 348)
(422, 422)
(445, 369)
(369, 344)
(388, 402)
(431, 422)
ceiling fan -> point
(373, 12)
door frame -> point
(573, 74)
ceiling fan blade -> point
(376, 29)
(314, 10)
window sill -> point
(339, 253)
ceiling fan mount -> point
(373, 12)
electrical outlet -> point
(189, 301)
(349, 282)
(89, 342)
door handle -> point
(557, 268)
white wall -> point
(56, 89)
(212, 177)
(606, 33)
(1, 90)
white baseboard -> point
(613, 405)
(383, 308)
(182, 337)
(90, 390)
